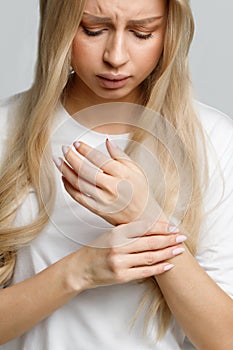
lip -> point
(113, 81)
(110, 76)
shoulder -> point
(9, 102)
(218, 134)
(8, 108)
(216, 125)
(215, 251)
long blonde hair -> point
(166, 90)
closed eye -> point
(142, 36)
(99, 32)
(92, 32)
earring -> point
(71, 71)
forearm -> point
(24, 305)
(202, 309)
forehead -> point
(126, 8)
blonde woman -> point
(127, 242)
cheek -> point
(77, 54)
(149, 58)
(157, 50)
(82, 54)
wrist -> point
(75, 278)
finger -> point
(131, 229)
(137, 273)
(91, 198)
(118, 154)
(162, 227)
(87, 188)
(130, 232)
(118, 236)
(100, 160)
(152, 243)
(77, 182)
(82, 169)
(158, 227)
(82, 198)
(153, 257)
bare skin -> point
(126, 39)
(129, 252)
(202, 309)
(146, 248)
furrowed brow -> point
(136, 22)
(96, 19)
(144, 21)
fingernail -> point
(178, 251)
(168, 267)
(181, 239)
(58, 162)
(112, 142)
(65, 149)
(173, 229)
(77, 144)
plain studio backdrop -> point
(211, 54)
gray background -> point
(211, 54)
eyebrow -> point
(138, 22)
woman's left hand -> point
(113, 187)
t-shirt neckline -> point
(65, 113)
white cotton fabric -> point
(100, 318)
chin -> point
(116, 95)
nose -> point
(116, 52)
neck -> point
(99, 114)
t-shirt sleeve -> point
(8, 109)
(215, 249)
(3, 128)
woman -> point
(93, 272)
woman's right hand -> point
(128, 252)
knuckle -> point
(149, 259)
(120, 171)
(120, 277)
(76, 183)
(114, 261)
(111, 188)
(163, 226)
(150, 243)
(160, 227)
(76, 196)
(98, 157)
(108, 164)
(159, 270)
(115, 266)
(146, 272)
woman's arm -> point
(126, 253)
(27, 303)
(201, 308)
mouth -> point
(113, 81)
(113, 77)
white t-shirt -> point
(100, 318)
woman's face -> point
(117, 45)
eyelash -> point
(138, 35)
(90, 33)
(142, 36)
